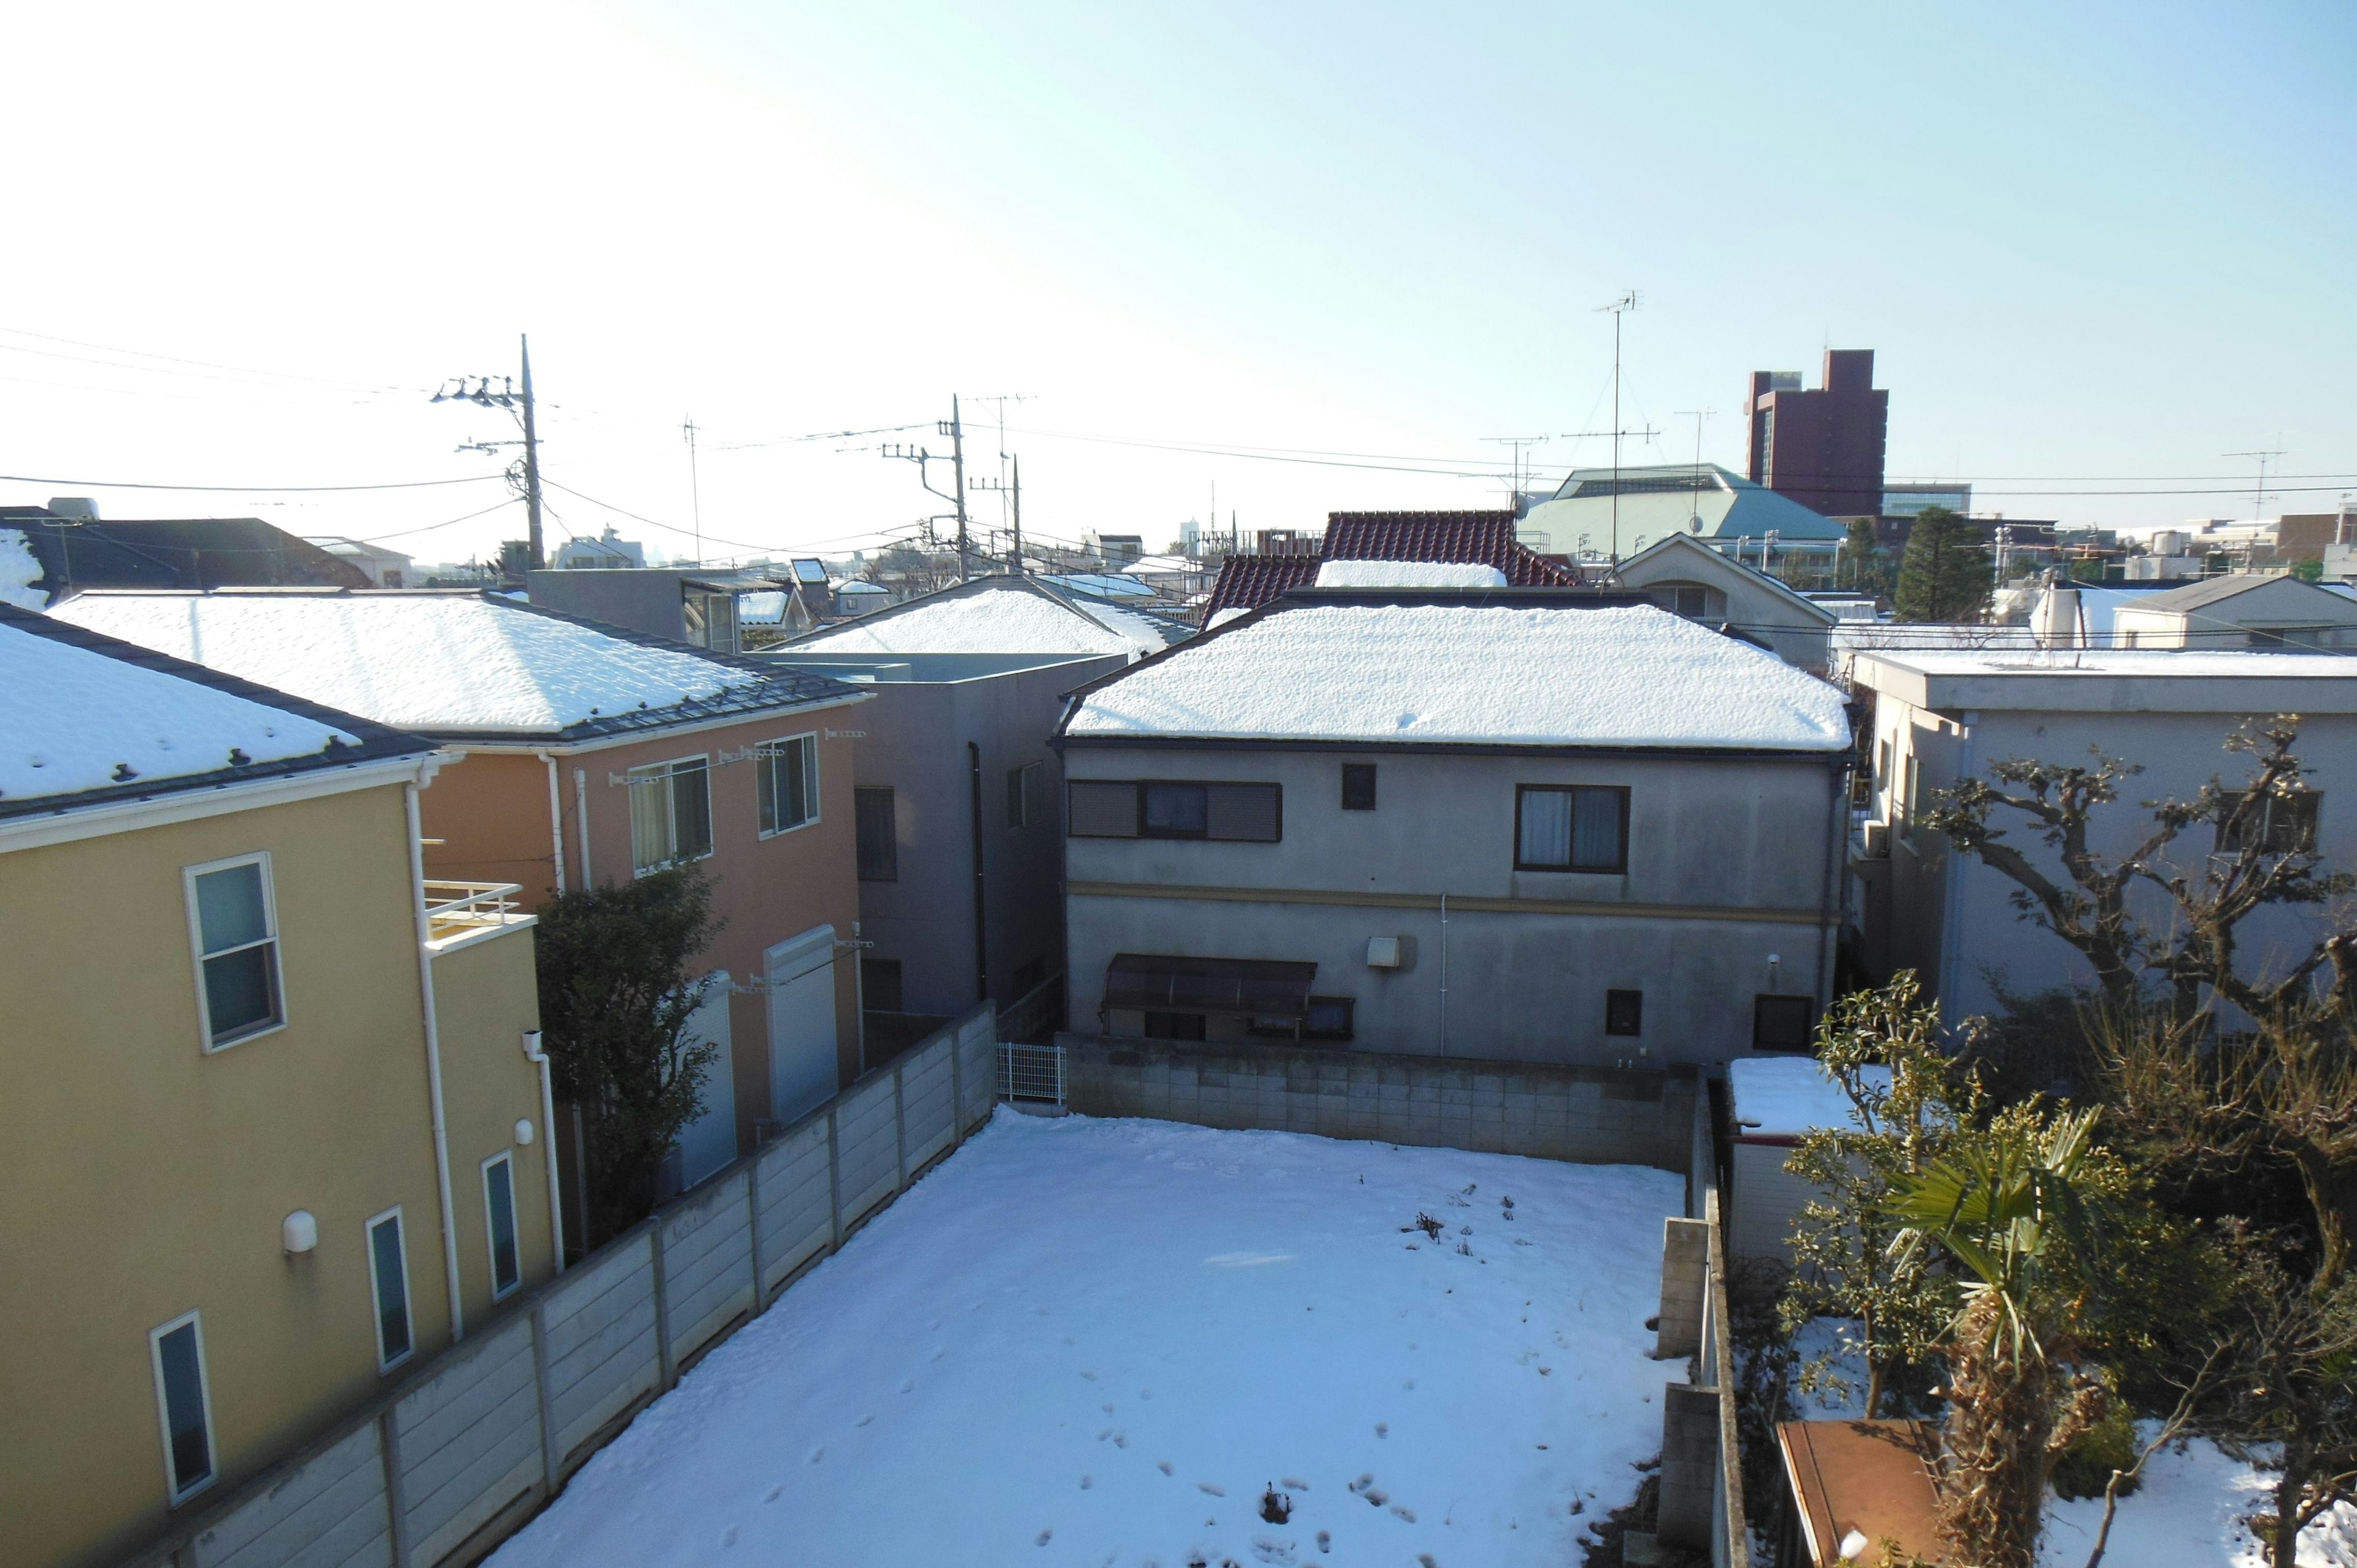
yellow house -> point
(273, 1130)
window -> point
(1624, 1011)
(879, 832)
(879, 985)
(1326, 1019)
(787, 775)
(2285, 824)
(1018, 795)
(1882, 762)
(1911, 797)
(1157, 809)
(1175, 1025)
(1683, 599)
(183, 1406)
(389, 1288)
(1782, 1023)
(1358, 785)
(709, 620)
(233, 920)
(500, 1223)
(671, 813)
(1571, 828)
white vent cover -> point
(1382, 953)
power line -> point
(247, 490)
(208, 364)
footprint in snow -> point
(773, 1494)
(1145, 1393)
(1105, 1434)
(728, 1537)
(1107, 1408)
(1044, 1536)
(1121, 1440)
(1216, 1491)
(1295, 1483)
(817, 1454)
(939, 1351)
(1376, 1496)
(1086, 1483)
(908, 1385)
(1090, 1375)
(1164, 1465)
(1383, 1429)
(1325, 1541)
(1404, 1512)
(864, 1419)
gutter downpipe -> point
(434, 1066)
(539, 1058)
(981, 903)
(556, 821)
(1444, 975)
(581, 821)
(1836, 896)
(1952, 934)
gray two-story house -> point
(1517, 824)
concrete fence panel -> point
(707, 1274)
(470, 1444)
(470, 1440)
(329, 1508)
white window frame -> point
(172, 1487)
(376, 1297)
(645, 775)
(1020, 798)
(491, 1227)
(766, 758)
(189, 875)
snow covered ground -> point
(1097, 1342)
(2189, 1511)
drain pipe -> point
(581, 821)
(434, 1066)
(555, 818)
(981, 905)
(539, 1058)
(1444, 975)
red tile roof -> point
(1247, 582)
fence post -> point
(753, 1224)
(396, 1489)
(901, 1124)
(957, 1087)
(667, 1369)
(835, 1174)
(551, 1462)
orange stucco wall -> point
(491, 811)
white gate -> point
(800, 973)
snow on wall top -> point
(1008, 620)
(19, 570)
(1633, 676)
(1409, 575)
(2231, 663)
(413, 660)
(1790, 1096)
(70, 718)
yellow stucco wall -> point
(147, 1177)
(485, 999)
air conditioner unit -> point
(1382, 953)
(1878, 841)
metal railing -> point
(455, 906)
(1034, 1074)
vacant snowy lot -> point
(1100, 1342)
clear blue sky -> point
(2112, 244)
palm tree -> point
(2010, 1208)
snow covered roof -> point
(1409, 575)
(19, 570)
(450, 663)
(84, 718)
(1790, 1096)
(995, 614)
(1566, 675)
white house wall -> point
(1731, 863)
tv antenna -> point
(2259, 496)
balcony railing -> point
(454, 907)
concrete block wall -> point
(1586, 1116)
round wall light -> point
(523, 1131)
(298, 1232)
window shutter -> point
(1243, 812)
(1102, 809)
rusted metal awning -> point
(1270, 988)
(1859, 1484)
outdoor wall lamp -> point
(523, 1131)
(298, 1232)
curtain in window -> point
(1595, 828)
(691, 799)
(1546, 828)
(651, 824)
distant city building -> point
(605, 551)
(1647, 504)
(1910, 500)
(1821, 448)
(386, 568)
(48, 553)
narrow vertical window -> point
(787, 779)
(1018, 795)
(1358, 785)
(183, 1406)
(500, 1223)
(389, 1288)
(671, 813)
(877, 831)
(1624, 1011)
(236, 931)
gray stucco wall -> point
(2179, 753)
(1731, 862)
(915, 745)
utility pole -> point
(694, 486)
(954, 429)
(1618, 308)
(1697, 415)
(1015, 492)
(530, 459)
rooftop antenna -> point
(1521, 444)
(2259, 496)
(1618, 308)
(1693, 521)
